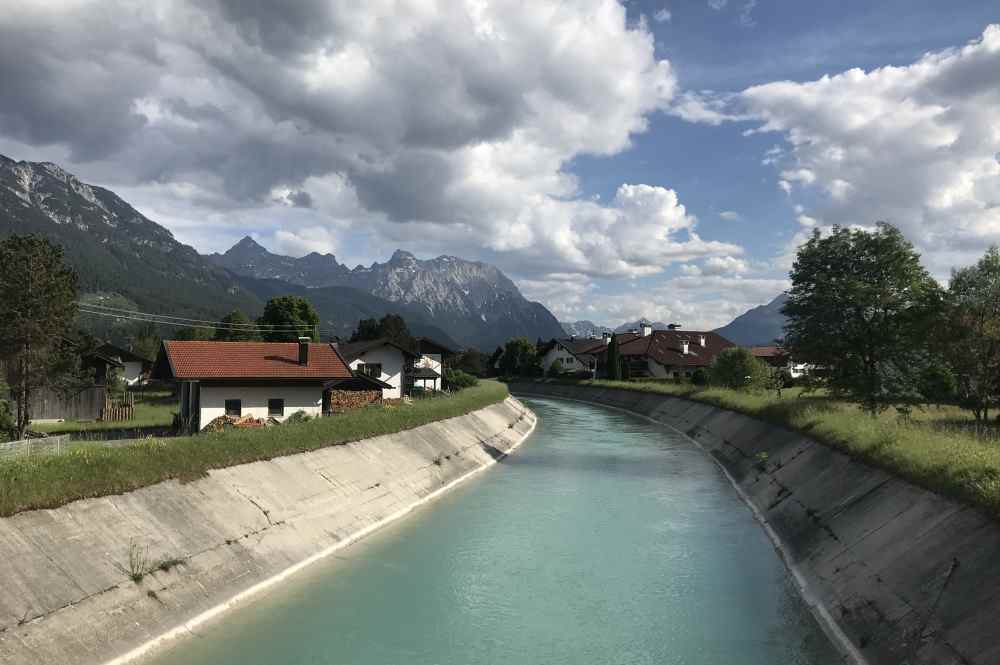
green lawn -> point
(154, 408)
(936, 448)
(89, 471)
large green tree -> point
(738, 368)
(390, 326)
(520, 358)
(236, 327)
(37, 310)
(969, 334)
(861, 306)
(287, 318)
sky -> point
(617, 160)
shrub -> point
(298, 417)
(699, 377)
(456, 379)
(555, 369)
(737, 368)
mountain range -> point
(760, 326)
(118, 251)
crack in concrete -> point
(262, 509)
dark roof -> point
(192, 360)
(97, 355)
(428, 345)
(424, 373)
(664, 346)
(353, 350)
(360, 381)
(124, 355)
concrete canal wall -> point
(898, 574)
(66, 596)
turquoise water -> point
(604, 539)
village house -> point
(259, 379)
(135, 369)
(382, 359)
(663, 354)
(571, 355)
(778, 358)
(429, 366)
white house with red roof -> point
(258, 379)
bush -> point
(298, 417)
(456, 379)
(699, 377)
(737, 368)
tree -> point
(737, 368)
(470, 361)
(195, 334)
(37, 310)
(556, 368)
(390, 326)
(519, 358)
(613, 371)
(969, 334)
(287, 318)
(494, 357)
(861, 306)
(237, 327)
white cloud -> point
(746, 14)
(663, 15)
(717, 4)
(914, 145)
(724, 265)
(443, 126)
(730, 216)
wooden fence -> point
(85, 405)
(118, 410)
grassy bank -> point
(936, 448)
(47, 482)
(152, 409)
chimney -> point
(701, 341)
(304, 350)
(684, 347)
(646, 328)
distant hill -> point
(634, 325)
(475, 303)
(759, 326)
(583, 328)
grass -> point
(937, 448)
(152, 409)
(90, 471)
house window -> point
(234, 407)
(371, 369)
(276, 408)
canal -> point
(604, 539)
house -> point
(778, 358)
(383, 359)
(574, 356)
(665, 354)
(429, 366)
(134, 367)
(258, 379)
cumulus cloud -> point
(446, 125)
(914, 145)
(662, 15)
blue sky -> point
(656, 159)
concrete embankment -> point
(66, 593)
(896, 573)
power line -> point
(199, 323)
(126, 313)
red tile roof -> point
(250, 360)
(664, 346)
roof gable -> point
(194, 360)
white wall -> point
(391, 359)
(132, 373)
(569, 361)
(297, 398)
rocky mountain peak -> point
(401, 256)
